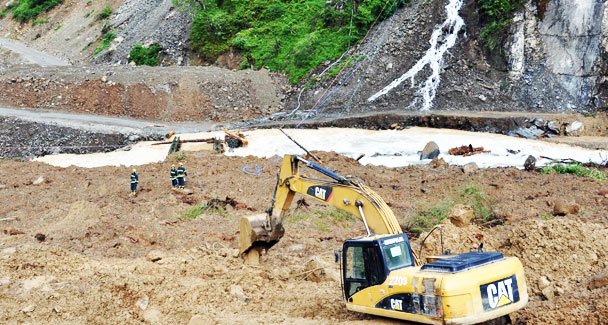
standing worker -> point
(173, 176)
(181, 173)
(134, 182)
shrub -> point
(282, 35)
(105, 42)
(142, 55)
(576, 169)
(105, 13)
(26, 10)
(497, 15)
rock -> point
(461, 215)
(28, 309)
(5, 281)
(13, 232)
(539, 122)
(40, 237)
(155, 256)
(554, 127)
(438, 162)
(201, 320)
(318, 270)
(575, 128)
(296, 248)
(549, 292)
(561, 208)
(8, 251)
(603, 192)
(430, 151)
(2, 186)
(237, 292)
(469, 168)
(143, 303)
(483, 98)
(38, 181)
(543, 282)
(559, 291)
(599, 280)
(530, 163)
(104, 79)
(153, 315)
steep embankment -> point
(553, 59)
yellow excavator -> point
(381, 274)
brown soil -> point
(95, 262)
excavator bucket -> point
(258, 232)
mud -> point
(95, 264)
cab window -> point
(397, 255)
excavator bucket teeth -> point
(258, 232)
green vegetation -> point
(142, 55)
(57, 27)
(576, 169)
(282, 35)
(470, 195)
(105, 42)
(321, 218)
(40, 21)
(211, 207)
(27, 10)
(105, 13)
(497, 15)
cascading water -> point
(442, 39)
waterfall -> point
(442, 39)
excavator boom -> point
(345, 193)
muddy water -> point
(391, 148)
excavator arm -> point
(345, 193)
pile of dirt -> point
(108, 257)
(168, 94)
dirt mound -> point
(560, 257)
(107, 257)
(169, 94)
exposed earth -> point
(76, 248)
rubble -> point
(467, 151)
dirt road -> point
(108, 258)
(31, 55)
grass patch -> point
(293, 37)
(322, 218)
(470, 195)
(40, 21)
(496, 15)
(105, 13)
(105, 42)
(57, 27)
(211, 207)
(28, 10)
(142, 55)
(575, 169)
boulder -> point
(438, 162)
(154, 256)
(575, 128)
(530, 163)
(469, 168)
(430, 151)
(549, 292)
(543, 282)
(599, 280)
(237, 292)
(562, 208)
(461, 215)
(38, 180)
(554, 127)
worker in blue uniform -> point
(173, 176)
(134, 182)
(181, 174)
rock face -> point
(554, 59)
(146, 22)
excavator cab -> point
(367, 261)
